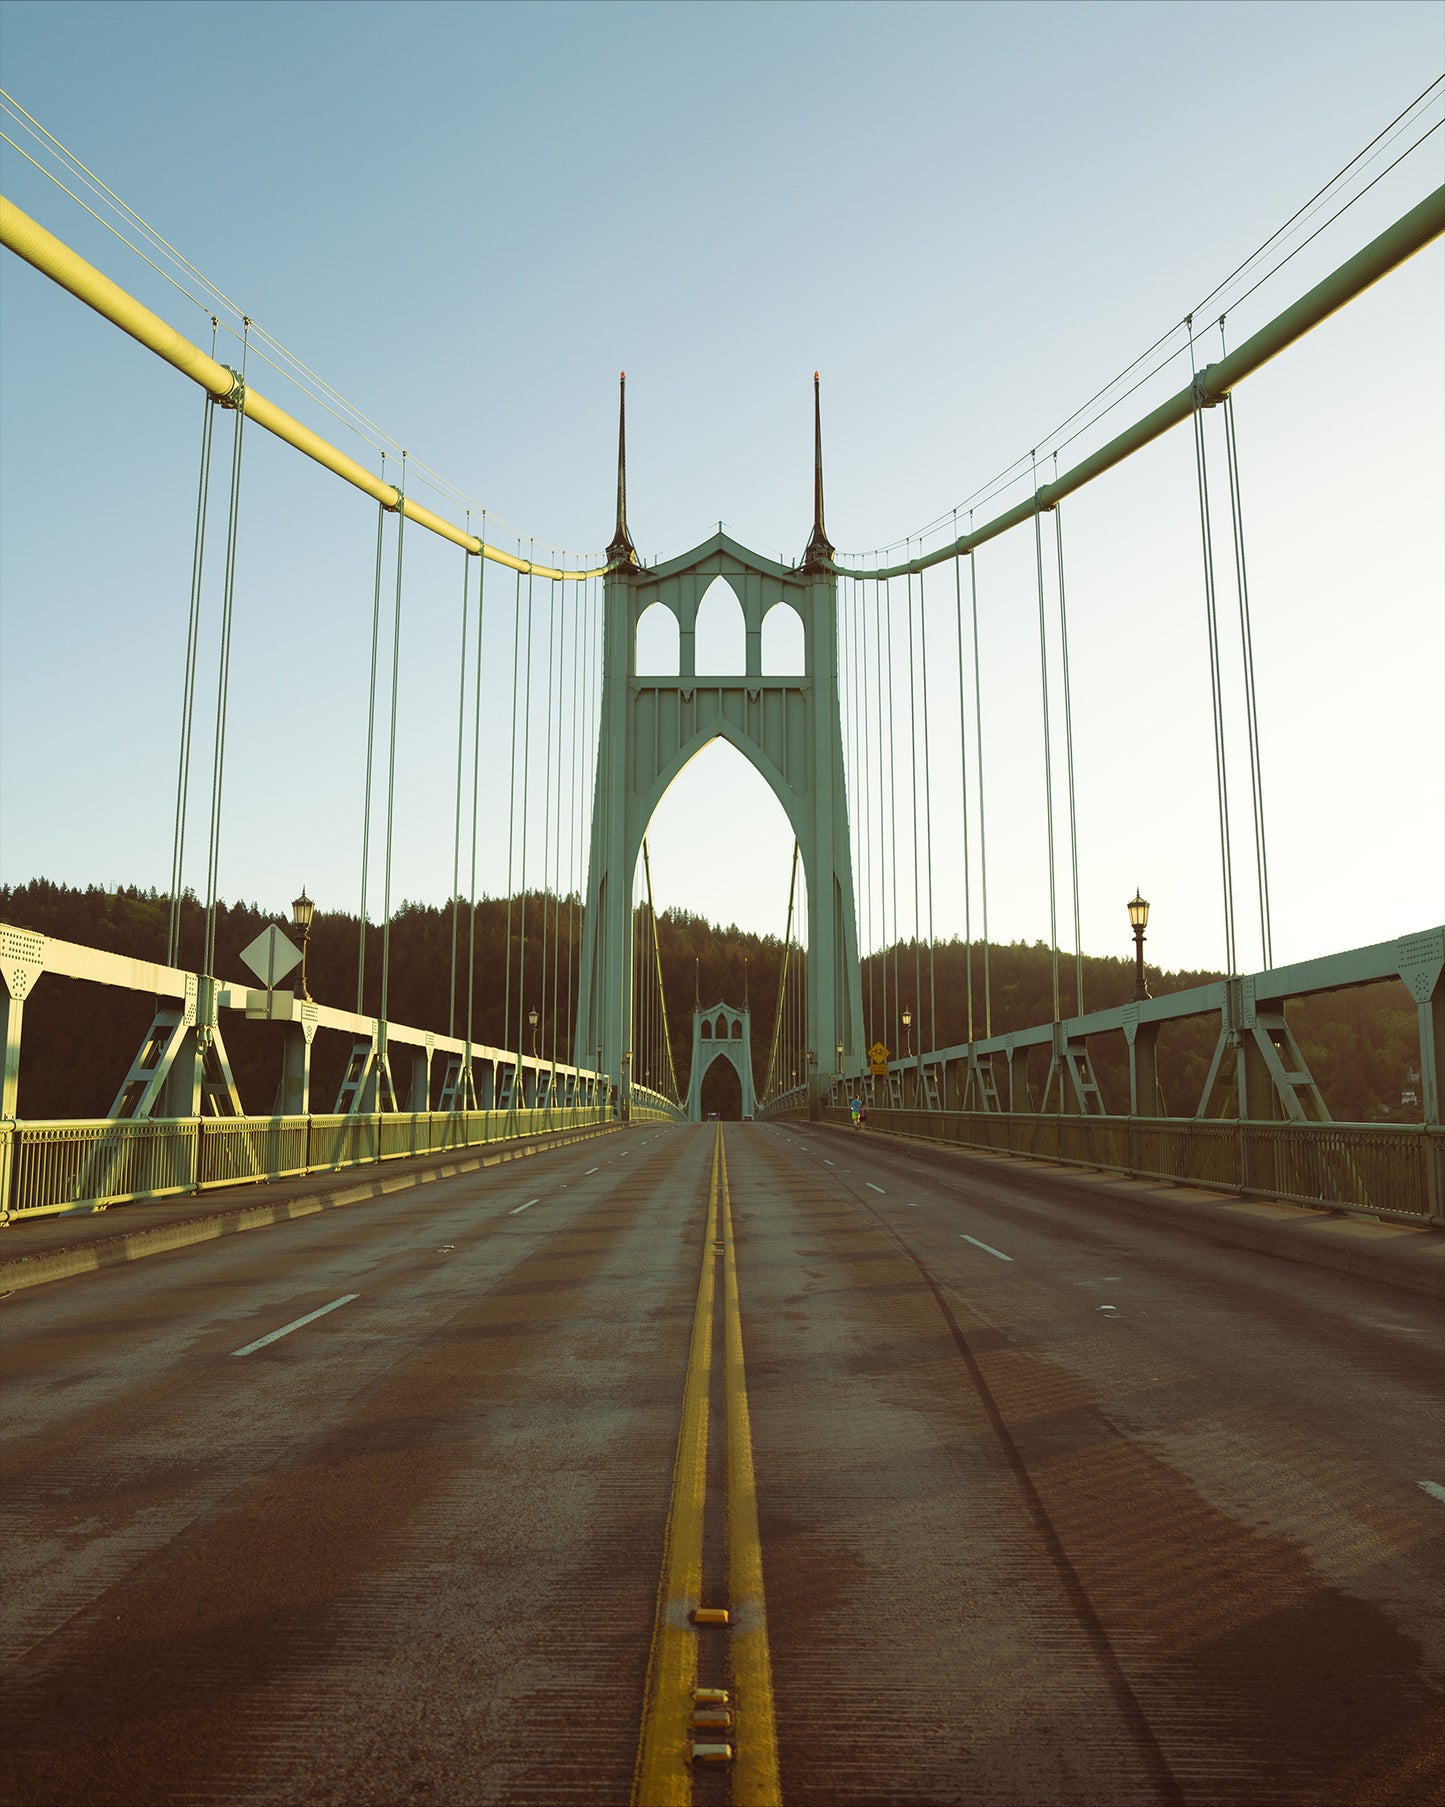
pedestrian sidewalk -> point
(1395, 1254)
(39, 1249)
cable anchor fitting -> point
(1200, 389)
(235, 396)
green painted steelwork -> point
(721, 1032)
(788, 728)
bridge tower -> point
(790, 730)
(721, 1033)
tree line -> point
(79, 1039)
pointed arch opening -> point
(657, 649)
(721, 643)
(784, 643)
(721, 848)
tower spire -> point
(819, 552)
(621, 551)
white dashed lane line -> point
(296, 1323)
(874, 1188)
(527, 1207)
(1434, 1489)
(987, 1248)
(592, 1170)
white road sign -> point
(271, 956)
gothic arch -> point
(787, 726)
(784, 643)
(720, 619)
(657, 643)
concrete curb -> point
(1391, 1254)
(110, 1251)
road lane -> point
(418, 1538)
(1056, 1508)
(1218, 1447)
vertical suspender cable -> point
(557, 892)
(370, 754)
(913, 817)
(982, 819)
(884, 1029)
(857, 815)
(927, 814)
(188, 689)
(866, 763)
(511, 830)
(1221, 775)
(457, 825)
(574, 766)
(1048, 756)
(223, 682)
(547, 884)
(1069, 747)
(1246, 635)
(526, 814)
(469, 1094)
(382, 1054)
(963, 793)
(892, 805)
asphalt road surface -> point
(1053, 1507)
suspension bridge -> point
(458, 1539)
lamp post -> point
(838, 1050)
(1138, 918)
(908, 1028)
(302, 910)
(532, 1019)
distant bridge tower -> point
(721, 1033)
(789, 728)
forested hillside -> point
(1362, 1046)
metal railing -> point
(49, 1168)
(793, 1103)
(646, 1105)
(1394, 1171)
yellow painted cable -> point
(28, 239)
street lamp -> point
(532, 1019)
(1138, 918)
(838, 1050)
(908, 1027)
(302, 910)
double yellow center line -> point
(737, 1651)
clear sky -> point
(467, 218)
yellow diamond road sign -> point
(878, 1058)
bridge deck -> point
(1054, 1507)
